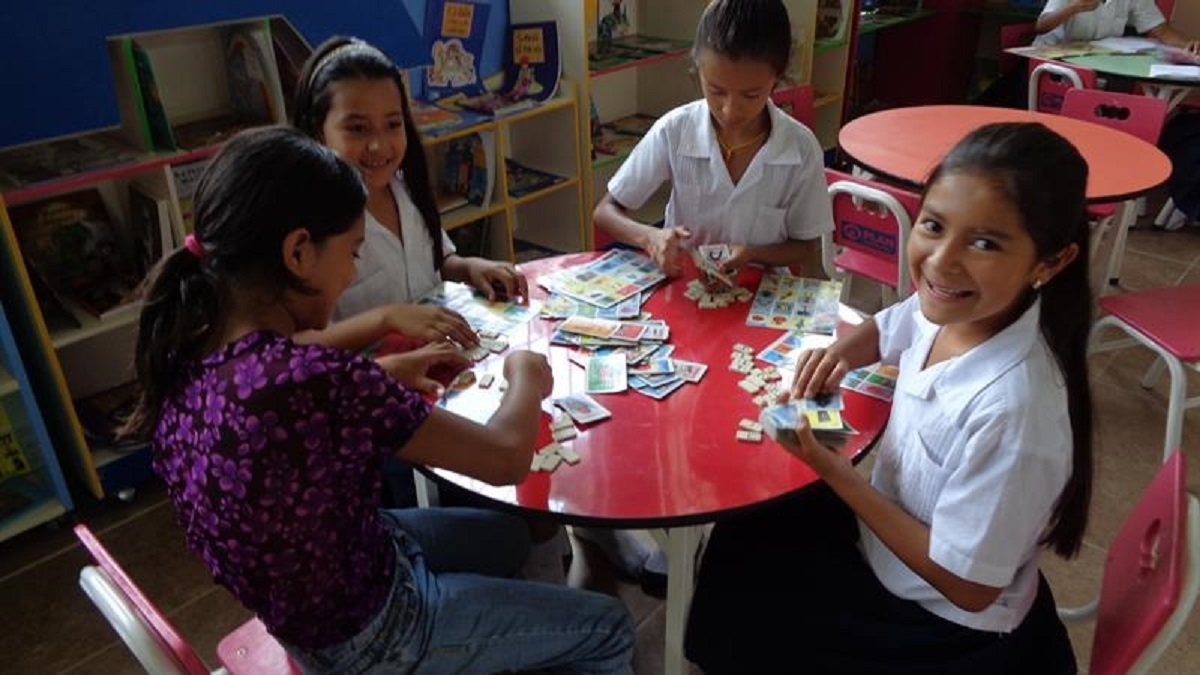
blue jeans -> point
(449, 612)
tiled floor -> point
(48, 626)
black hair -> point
(1045, 178)
(756, 30)
(261, 185)
(358, 60)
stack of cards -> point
(582, 408)
(709, 259)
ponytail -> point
(181, 309)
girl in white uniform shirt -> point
(931, 566)
(741, 171)
(1084, 20)
(352, 98)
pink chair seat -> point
(251, 650)
(1170, 317)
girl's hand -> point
(524, 364)
(1193, 46)
(664, 248)
(431, 323)
(809, 450)
(490, 276)
(818, 371)
(412, 368)
(739, 256)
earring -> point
(1038, 283)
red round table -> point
(674, 463)
(907, 143)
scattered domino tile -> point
(485, 380)
(747, 424)
(561, 421)
(464, 381)
(565, 433)
(568, 454)
(550, 461)
(746, 436)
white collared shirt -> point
(391, 270)
(781, 195)
(1107, 20)
(978, 448)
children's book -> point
(523, 180)
(496, 104)
(833, 18)
(150, 227)
(536, 66)
(455, 32)
(467, 170)
(436, 120)
(612, 22)
(185, 178)
(157, 128)
(250, 75)
(650, 43)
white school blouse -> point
(781, 195)
(977, 447)
(391, 270)
(1107, 20)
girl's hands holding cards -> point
(805, 447)
(663, 247)
(524, 365)
(819, 371)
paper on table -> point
(1183, 72)
(1126, 45)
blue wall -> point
(54, 73)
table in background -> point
(905, 144)
(1135, 67)
(673, 464)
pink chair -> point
(871, 223)
(249, 650)
(1151, 576)
(1050, 80)
(1165, 321)
(1141, 116)
(797, 101)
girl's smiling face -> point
(971, 259)
(365, 126)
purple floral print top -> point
(272, 453)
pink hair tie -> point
(193, 245)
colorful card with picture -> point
(606, 374)
(876, 380)
(656, 391)
(794, 303)
(484, 316)
(607, 280)
(690, 371)
(582, 408)
(783, 351)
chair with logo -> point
(248, 650)
(871, 223)
(1049, 82)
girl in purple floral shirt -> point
(272, 450)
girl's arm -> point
(1048, 21)
(803, 256)
(906, 536)
(500, 451)
(661, 244)
(487, 275)
(1168, 36)
(425, 322)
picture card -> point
(606, 374)
(582, 408)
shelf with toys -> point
(84, 218)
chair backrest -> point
(1050, 80)
(1151, 576)
(147, 633)
(1141, 116)
(872, 218)
(797, 101)
(1014, 35)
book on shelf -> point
(290, 54)
(523, 180)
(467, 169)
(157, 130)
(454, 31)
(617, 55)
(495, 104)
(53, 306)
(636, 124)
(71, 239)
(185, 177)
(532, 72)
(612, 22)
(611, 143)
(36, 162)
(434, 120)
(250, 74)
(13, 461)
(150, 228)
(650, 43)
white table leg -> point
(1126, 216)
(681, 557)
(1173, 94)
(427, 492)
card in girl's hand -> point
(582, 408)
